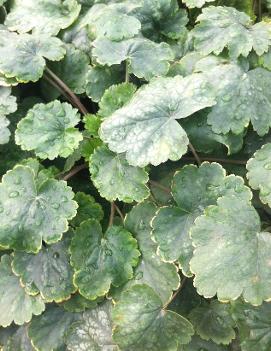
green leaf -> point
(19, 341)
(219, 236)
(221, 27)
(205, 140)
(112, 21)
(26, 54)
(254, 324)
(259, 173)
(101, 260)
(115, 97)
(78, 303)
(48, 272)
(93, 331)
(42, 16)
(197, 344)
(193, 189)
(115, 178)
(48, 129)
(242, 97)
(162, 277)
(196, 3)
(33, 209)
(100, 78)
(48, 330)
(7, 105)
(145, 58)
(87, 209)
(146, 128)
(141, 323)
(213, 322)
(15, 305)
(161, 18)
(72, 70)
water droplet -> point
(141, 225)
(13, 194)
(66, 120)
(226, 98)
(38, 222)
(56, 255)
(268, 166)
(41, 117)
(55, 205)
(64, 198)
(112, 182)
(139, 275)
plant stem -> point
(214, 159)
(62, 92)
(72, 97)
(119, 212)
(194, 152)
(74, 171)
(112, 214)
(159, 186)
(176, 293)
(127, 72)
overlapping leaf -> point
(232, 255)
(197, 344)
(146, 128)
(101, 260)
(93, 331)
(48, 129)
(15, 305)
(193, 189)
(33, 209)
(42, 16)
(48, 272)
(19, 341)
(142, 323)
(145, 58)
(115, 178)
(162, 277)
(47, 331)
(196, 3)
(7, 106)
(221, 27)
(259, 173)
(213, 322)
(26, 54)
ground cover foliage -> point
(135, 165)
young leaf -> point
(146, 128)
(141, 322)
(15, 305)
(93, 331)
(193, 189)
(115, 178)
(48, 330)
(26, 54)
(162, 277)
(146, 59)
(100, 78)
(42, 16)
(221, 27)
(115, 97)
(48, 129)
(33, 209)
(219, 236)
(213, 322)
(87, 209)
(259, 173)
(101, 260)
(48, 272)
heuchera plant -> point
(135, 165)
